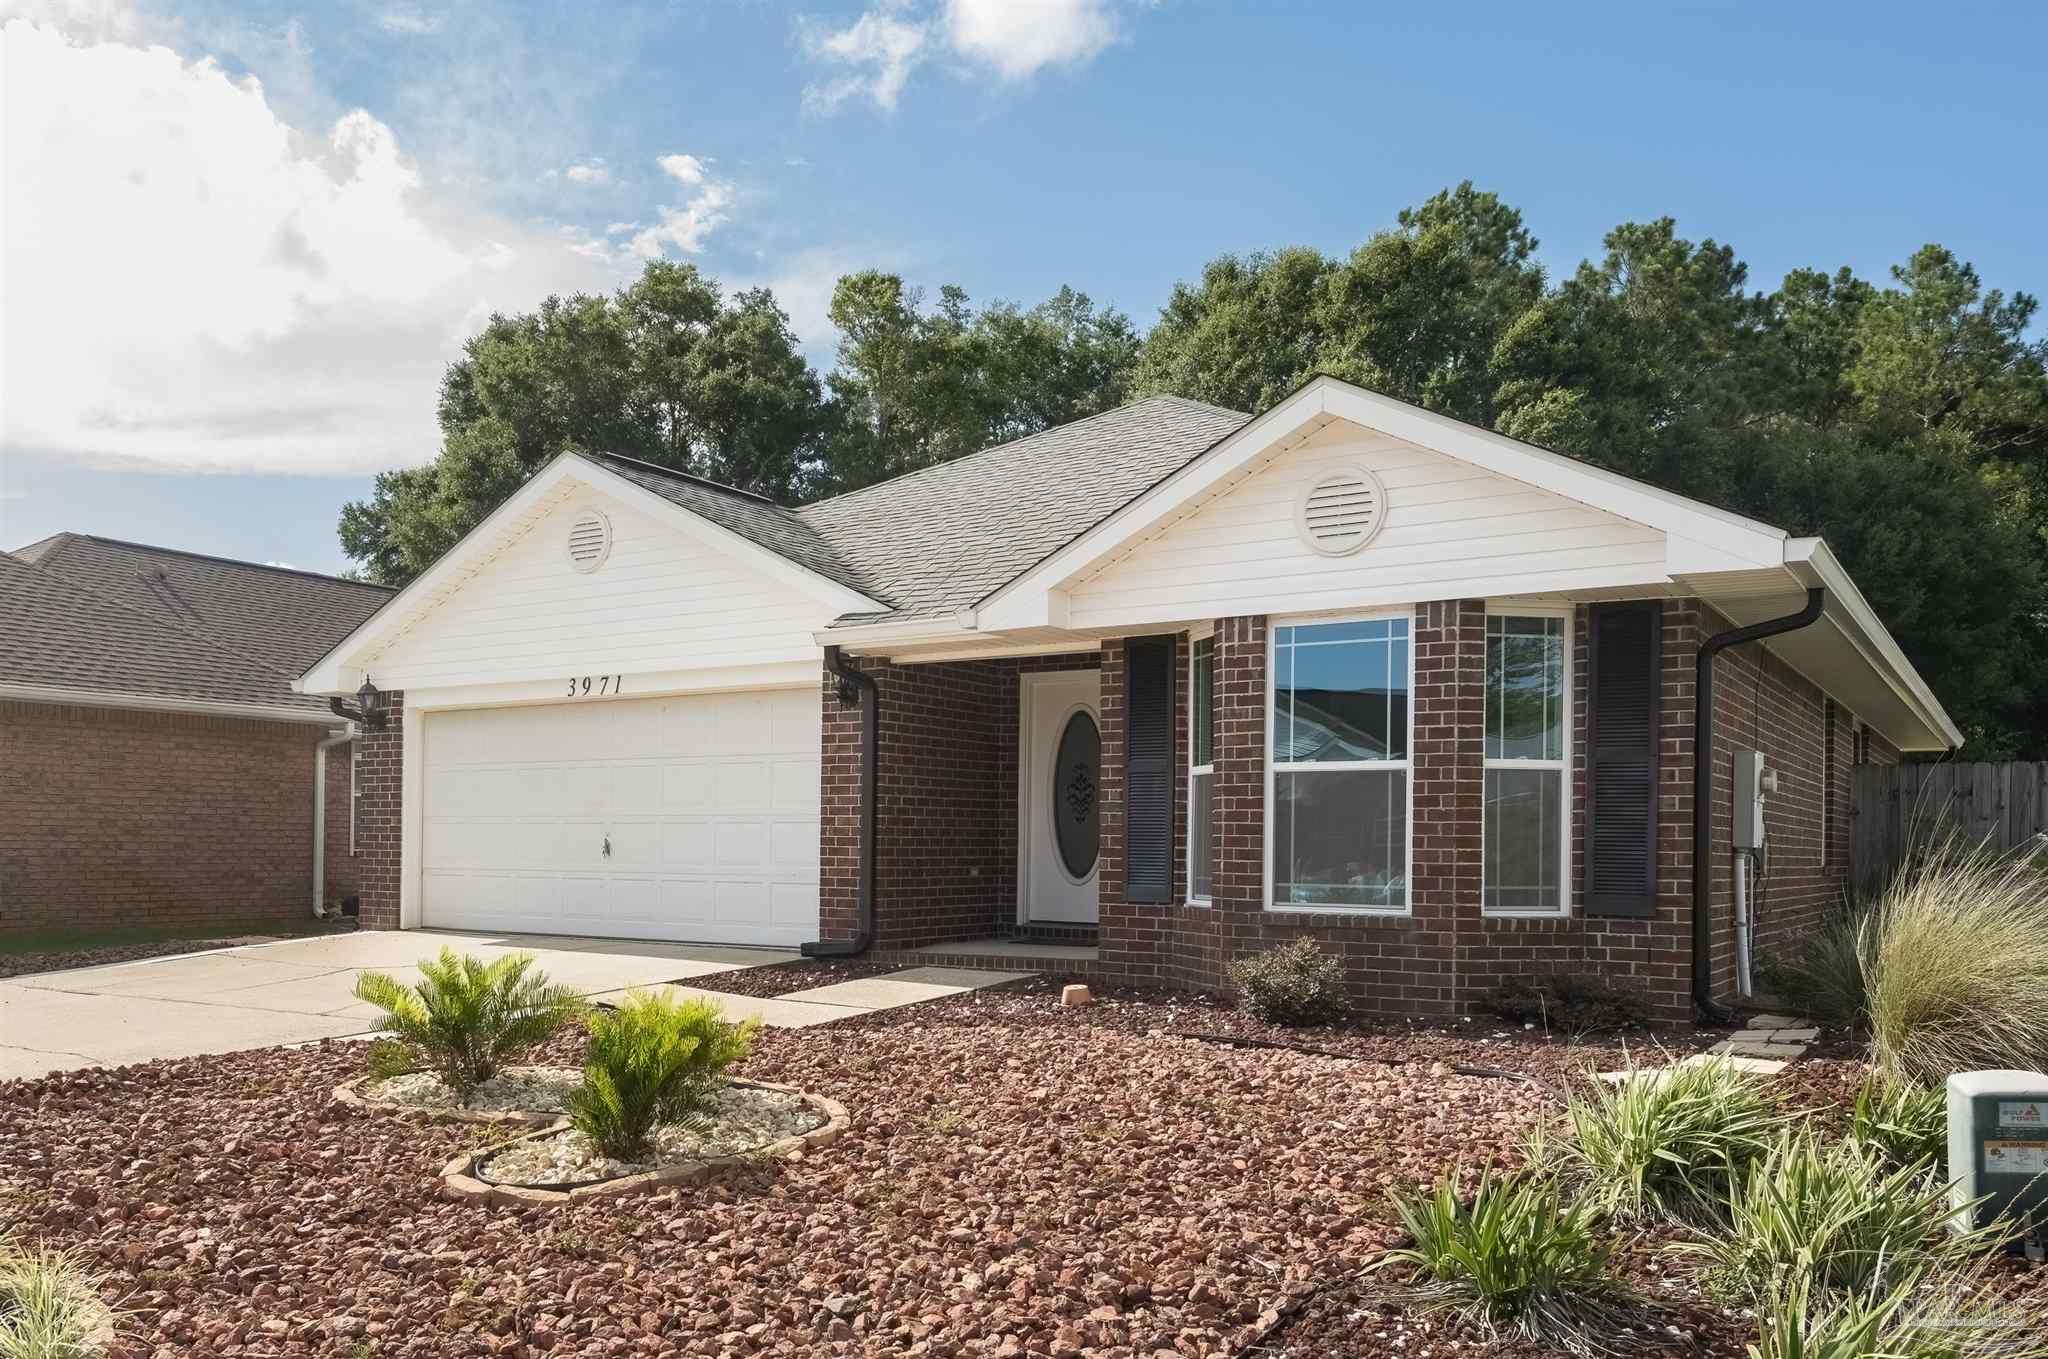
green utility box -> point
(1998, 1147)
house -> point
(156, 767)
(1134, 696)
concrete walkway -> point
(302, 990)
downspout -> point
(1703, 788)
(855, 687)
(342, 737)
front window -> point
(1201, 762)
(1527, 721)
(1340, 765)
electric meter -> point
(1998, 1147)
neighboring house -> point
(156, 767)
(1058, 668)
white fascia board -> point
(1701, 536)
(334, 673)
(157, 703)
(862, 638)
(1827, 571)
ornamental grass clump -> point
(1297, 985)
(1525, 1255)
(1899, 1123)
(1827, 970)
(1669, 1142)
(50, 1307)
(654, 1062)
(1958, 971)
(1832, 1215)
(466, 1019)
(1934, 1316)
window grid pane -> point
(1341, 838)
(1340, 692)
(1524, 823)
(1202, 694)
(1198, 835)
(1524, 688)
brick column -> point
(380, 757)
(1237, 846)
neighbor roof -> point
(282, 617)
(56, 634)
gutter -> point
(1703, 787)
(340, 738)
(855, 687)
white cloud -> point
(684, 227)
(410, 22)
(188, 281)
(588, 172)
(886, 46)
(1013, 39)
(687, 169)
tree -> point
(668, 371)
(921, 386)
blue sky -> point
(228, 303)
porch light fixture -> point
(369, 711)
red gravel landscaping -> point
(1019, 1179)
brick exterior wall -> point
(946, 824)
(379, 816)
(111, 818)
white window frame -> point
(1405, 766)
(1193, 769)
(355, 796)
(1563, 767)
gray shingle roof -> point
(757, 519)
(55, 632)
(947, 536)
(283, 618)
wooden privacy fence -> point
(1899, 806)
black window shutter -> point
(1148, 769)
(1625, 708)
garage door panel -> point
(710, 804)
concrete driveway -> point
(299, 990)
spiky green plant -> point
(1829, 1212)
(465, 1019)
(50, 1307)
(1666, 1142)
(1901, 1124)
(1958, 976)
(653, 1062)
(1826, 971)
(1935, 1316)
(1524, 1255)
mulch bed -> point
(779, 979)
(1019, 1179)
(26, 964)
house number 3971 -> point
(582, 686)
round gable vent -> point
(1341, 511)
(590, 540)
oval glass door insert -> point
(1077, 774)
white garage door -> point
(689, 818)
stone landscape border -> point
(350, 1094)
(460, 1181)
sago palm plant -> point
(465, 1019)
(652, 1063)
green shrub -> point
(1941, 1316)
(1567, 1004)
(1298, 984)
(1958, 974)
(1828, 1212)
(1525, 1255)
(50, 1307)
(1901, 1124)
(1668, 1143)
(652, 1062)
(1825, 971)
(465, 1019)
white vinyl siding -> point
(1527, 802)
(1451, 531)
(1339, 780)
(662, 601)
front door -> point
(1058, 800)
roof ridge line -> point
(204, 557)
(740, 491)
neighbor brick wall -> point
(113, 818)
(379, 816)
